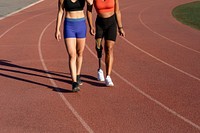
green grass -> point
(188, 14)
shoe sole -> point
(76, 89)
(109, 85)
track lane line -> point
(163, 62)
(169, 65)
(162, 36)
(5, 32)
(165, 107)
(168, 109)
(67, 103)
(11, 28)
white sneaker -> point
(109, 81)
(100, 75)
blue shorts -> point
(75, 28)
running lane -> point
(155, 72)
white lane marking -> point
(18, 24)
(22, 22)
(179, 44)
(150, 97)
(85, 125)
(80, 119)
(190, 75)
(146, 95)
(1, 18)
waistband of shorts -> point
(75, 19)
(113, 16)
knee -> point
(109, 50)
(72, 56)
(79, 53)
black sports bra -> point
(74, 6)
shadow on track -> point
(91, 80)
(43, 74)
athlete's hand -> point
(121, 32)
(92, 31)
(58, 35)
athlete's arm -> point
(89, 18)
(119, 19)
(59, 19)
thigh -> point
(71, 46)
(99, 30)
(80, 44)
(111, 32)
(109, 44)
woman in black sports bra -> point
(74, 35)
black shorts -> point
(106, 28)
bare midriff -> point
(75, 14)
(106, 14)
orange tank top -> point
(103, 6)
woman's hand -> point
(92, 31)
(121, 31)
(58, 35)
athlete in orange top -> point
(107, 20)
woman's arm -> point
(119, 19)
(89, 18)
(59, 19)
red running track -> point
(156, 74)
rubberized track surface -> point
(156, 74)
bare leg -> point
(71, 49)
(80, 48)
(109, 58)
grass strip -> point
(188, 14)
